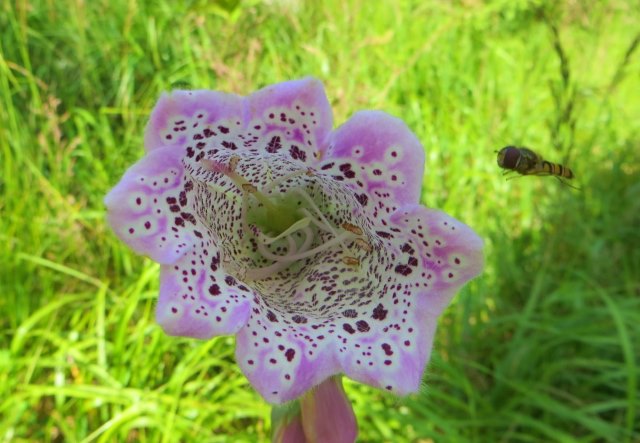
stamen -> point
(268, 271)
(351, 261)
(310, 253)
(352, 228)
(300, 224)
(363, 244)
(322, 217)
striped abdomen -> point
(556, 169)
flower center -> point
(284, 228)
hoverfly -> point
(526, 162)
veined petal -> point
(378, 156)
(142, 207)
(198, 299)
(180, 116)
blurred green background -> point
(544, 346)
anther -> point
(233, 162)
(352, 228)
(351, 261)
(248, 187)
(363, 244)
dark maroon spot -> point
(147, 225)
(272, 317)
(327, 166)
(297, 153)
(189, 217)
(198, 137)
(350, 313)
(349, 174)
(272, 361)
(345, 167)
(299, 319)
(413, 261)
(347, 327)
(172, 200)
(229, 145)
(377, 172)
(223, 129)
(387, 362)
(387, 349)
(450, 275)
(406, 248)
(174, 310)
(183, 198)
(169, 137)
(384, 234)
(407, 342)
(290, 354)
(403, 270)
(362, 326)
(138, 201)
(179, 221)
(229, 280)
(208, 133)
(456, 261)
(287, 376)
(250, 362)
(379, 312)
(131, 230)
(274, 144)
(214, 289)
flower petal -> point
(280, 361)
(140, 207)
(180, 115)
(198, 299)
(448, 252)
(387, 344)
(377, 155)
(294, 117)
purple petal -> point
(198, 299)
(282, 362)
(293, 117)
(388, 344)
(139, 211)
(449, 253)
(180, 115)
(376, 154)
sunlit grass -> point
(542, 347)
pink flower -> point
(309, 244)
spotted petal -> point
(141, 207)
(180, 116)
(379, 157)
(198, 299)
(282, 359)
(387, 344)
(295, 118)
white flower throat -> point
(285, 228)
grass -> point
(542, 347)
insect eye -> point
(511, 156)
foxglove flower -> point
(309, 244)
